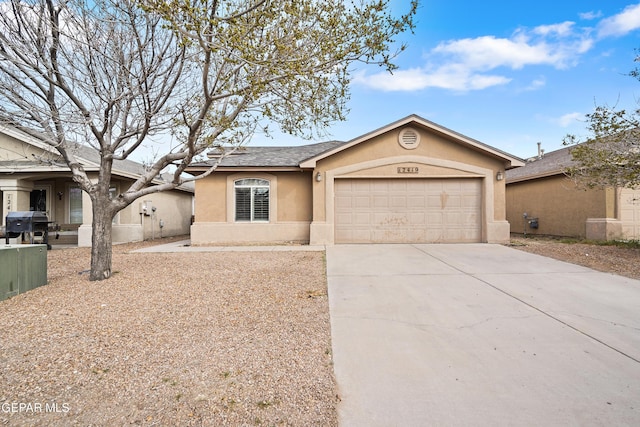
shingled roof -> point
(550, 164)
(290, 156)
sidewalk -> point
(185, 246)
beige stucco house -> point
(560, 208)
(33, 177)
(410, 181)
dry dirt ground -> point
(202, 339)
(621, 260)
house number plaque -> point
(403, 169)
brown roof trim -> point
(196, 170)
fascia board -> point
(511, 161)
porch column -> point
(16, 196)
(84, 231)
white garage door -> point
(630, 213)
(408, 210)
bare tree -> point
(114, 73)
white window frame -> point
(68, 203)
(253, 184)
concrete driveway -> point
(478, 334)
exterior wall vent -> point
(409, 138)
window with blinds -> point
(252, 200)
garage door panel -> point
(388, 235)
(408, 210)
(380, 201)
(414, 201)
(343, 202)
(361, 219)
(344, 219)
(362, 201)
(454, 202)
(398, 202)
(417, 219)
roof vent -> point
(409, 138)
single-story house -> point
(34, 177)
(540, 194)
(410, 181)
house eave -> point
(197, 170)
(510, 161)
(535, 176)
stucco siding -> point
(13, 149)
(290, 209)
(173, 212)
(294, 197)
(434, 157)
(561, 208)
(210, 204)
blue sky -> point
(507, 74)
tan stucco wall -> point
(210, 198)
(435, 156)
(173, 210)
(214, 195)
(290, 209)
(13, 149)
(561, 207)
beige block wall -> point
(561, 207)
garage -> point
(417, 210)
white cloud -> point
(620, 24)
(474, 63)
(562, 29)
(588, 16)
(446, 77)
(482, 62)
(538, 83)
(569, 119)
(524, 48)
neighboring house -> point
(542, 191)
(410, 181)
(33, 177)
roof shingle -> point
(552, 163)
(290, 156)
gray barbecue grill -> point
(32, 225)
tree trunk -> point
(101, 247)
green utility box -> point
(22, 268)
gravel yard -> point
(621, 260)
(197, 339)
